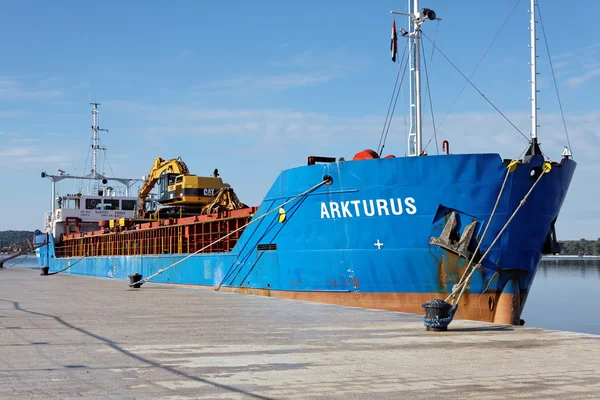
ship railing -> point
(171, 239)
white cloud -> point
(12, 89)
(272, 82)
(583, 78)
(567, 54)
(16, 152)
(467, 132)
(186, 53)
(51, 80)
(13, 113)
(560, 64)
(81, 85)
(311, 60)
(585, 68)
(30, 157)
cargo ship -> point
(374, 231)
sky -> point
(253, 88)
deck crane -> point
(185, 193)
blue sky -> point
(252, 88)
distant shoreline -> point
(570, 257)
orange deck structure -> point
(168, 236)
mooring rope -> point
(67, 267)
(461, 286)
(162, 270)
(509, 169)
(18, 259)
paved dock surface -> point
(70, 337)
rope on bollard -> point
(66, 268)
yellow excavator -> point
(185, 194)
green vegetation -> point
(580, 247)
(13, 241)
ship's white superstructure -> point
(104, 200)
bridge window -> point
(128, 205)
(72, 204)
(93, 204)
(111, 204)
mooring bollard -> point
(438, 314)
(45, 270)
(134, 280)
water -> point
(565, 294)
(28, 261)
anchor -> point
(462, 246)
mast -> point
(533, 64)
(95, 140)
(416, 122)
(416, 17)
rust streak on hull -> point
(478, 307)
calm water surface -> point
(565, 294)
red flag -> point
(394, 44)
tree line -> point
(13, 241)
(581, 247)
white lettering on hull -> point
(369, 208)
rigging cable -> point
(17, 260)
(252, 221)
(478, 64)
(562, 114)
(84, 167)
(394, 107)
(475, 87)
(102, 147)
(385, 123)
(430, 101)
(437, 27)
(405, 134)
(106, 159)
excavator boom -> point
(160, 166)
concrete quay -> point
(71, 337)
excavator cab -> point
(165, 182)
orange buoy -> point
(367, 154)
(390, 156)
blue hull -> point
(365, 239)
